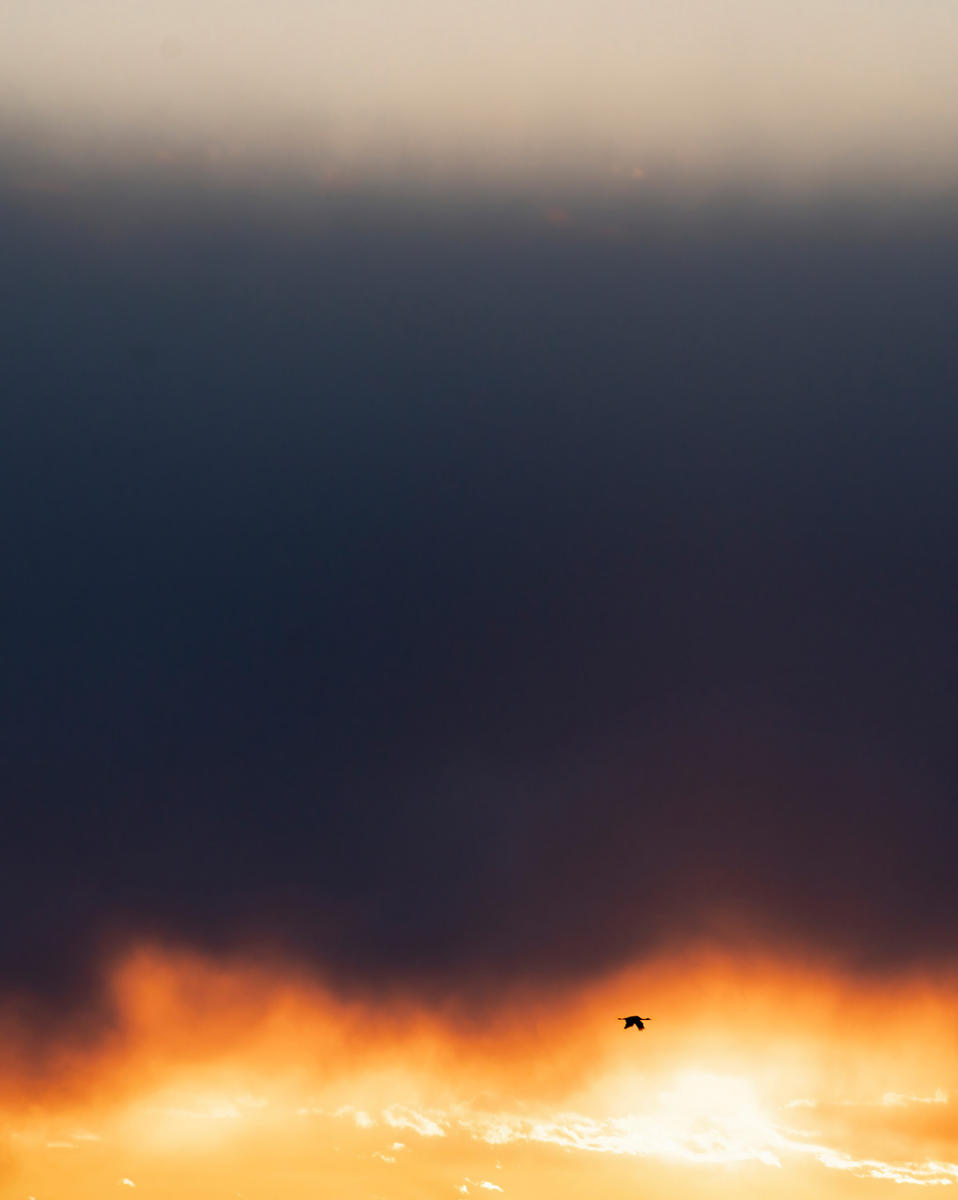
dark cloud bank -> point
(439, 591)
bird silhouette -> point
(638, 1022)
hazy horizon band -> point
(613, 90)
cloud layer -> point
(453, 88)
(240, 1077)
(450, 597)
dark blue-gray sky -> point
(450, 590)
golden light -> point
(221, 1079)
(720, 1117)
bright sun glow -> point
(719, 1115)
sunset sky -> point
(479, 502)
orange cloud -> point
(227, 1071)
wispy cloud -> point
(399, 1117)
(888, 1100)
(897, 1099)
(483, 1185)
(702, 1119)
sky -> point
(477, 493)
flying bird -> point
(638, 1022)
